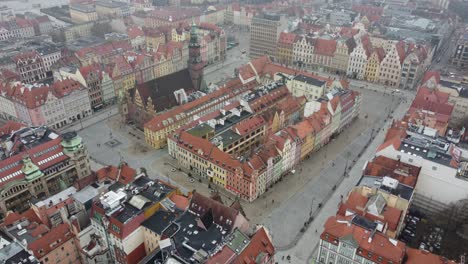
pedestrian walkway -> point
(301, 248)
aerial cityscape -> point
(233, 131)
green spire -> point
(30, 170)
(194, 34)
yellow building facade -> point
(372, 69)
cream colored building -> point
(307, 86)
(303, 51)
(77, 31)
(80, 13)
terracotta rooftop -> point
(382, 166)
(249, 125)
(160, 121)
(260, 246)
(435, 75)
(180, 201)
(357, 202)
(287, 38)
(416, 256)
(325, 47)
(338, 227)
(50, 241)
(201, 204)
(134, 32)
(432, 100)
(9, 127)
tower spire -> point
(195, 63)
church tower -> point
(195, 63)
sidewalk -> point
(302, 250)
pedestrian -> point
(315, 231)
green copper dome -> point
(71, 142)
(30, 170)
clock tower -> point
(195, 63)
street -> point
(310, 195)
(287, 220)
(220, 72)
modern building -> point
(442, 178)
(460, 58)
(264, 34)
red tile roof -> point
(337, 227)
(201, 204)
(134, 32)
(429, 75)
(31, 97)
(231, 88)
(366, 44)
(180, 201)
(205, 149)
(12, 217)
(400, 47)
(64, 87)
(403, 172)
(394, 142)
(432, 100)
(380, 53)
(357, 204)
(50, 241)
(249, 125)
(209, 26)
(260, 244)
(287, 38)
(416, 256)
(107, 173)
(9, 127)
(325, 47)
(225, 255)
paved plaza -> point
(314, 190)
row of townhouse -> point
(127, 67)
(370, 223)
(19, 27)
(36, 65)
(212, 39)
(397, 64)
(56, 105)
(253, 154)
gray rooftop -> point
(82, 8)
(402, 190)
(309, 80)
